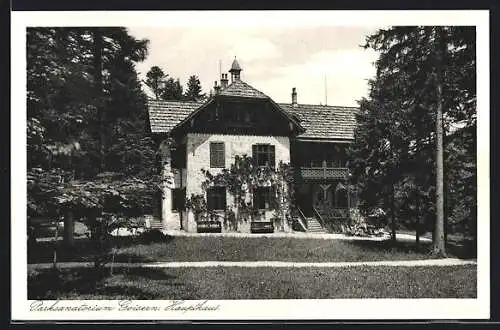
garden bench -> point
(209, 227)
(262, 227)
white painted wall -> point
(198, 158)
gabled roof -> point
(238, 88)
(165, 115)
(324, 122)
(319, 121)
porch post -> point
(348, 191)
(166, 208)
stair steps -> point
(313, 226)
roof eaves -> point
(288, 115)
(324, 139)
(201, 107)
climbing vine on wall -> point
(240, 180)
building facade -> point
(240, 120)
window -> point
(263, 154)
(178, 197)
(216, 198)
(262, 198)
(217, 155)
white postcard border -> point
(355, 309)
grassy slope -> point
(238, 249)
(257, 283)
(283, 249)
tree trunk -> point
(438, 244)
(417, 240)
(54, 256)
(69, 227)
(417, 234)
(92, 223)
(98, 90)
(393, 214)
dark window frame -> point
(217, 156)
(216, 198)
(264, 154)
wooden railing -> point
(324, 172)
(318, 216)
(340, 212)
(304, 226)
(334, 219)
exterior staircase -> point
(313, 225)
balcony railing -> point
(321, 173)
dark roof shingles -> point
(165, 115)
(319, 121)
(241, 89)
(323, 121)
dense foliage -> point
(240, 180)
(393, 159)
(88, 146)
(167, 88)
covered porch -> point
(328, 202)
(322, 190)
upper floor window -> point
(236, 114)
(216, 198)
(264, 155)
(217, 155)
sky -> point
(324, 63)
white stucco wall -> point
(198, 158)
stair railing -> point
(304, 226)
(318, 216)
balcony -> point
(324, 172)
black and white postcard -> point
(255, 165)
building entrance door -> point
(305, 199)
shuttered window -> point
(264, 155)
(217, 155)
(216, 198)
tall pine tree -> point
(87, 119)
(424, 74)
(193, 92)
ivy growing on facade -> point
(240, 180)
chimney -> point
(223, 81)
(216, 88)
(294, 97)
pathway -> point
(279, 264)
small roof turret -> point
(235, 70)
(235, 66)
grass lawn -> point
(256, 283)
(239, 249)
